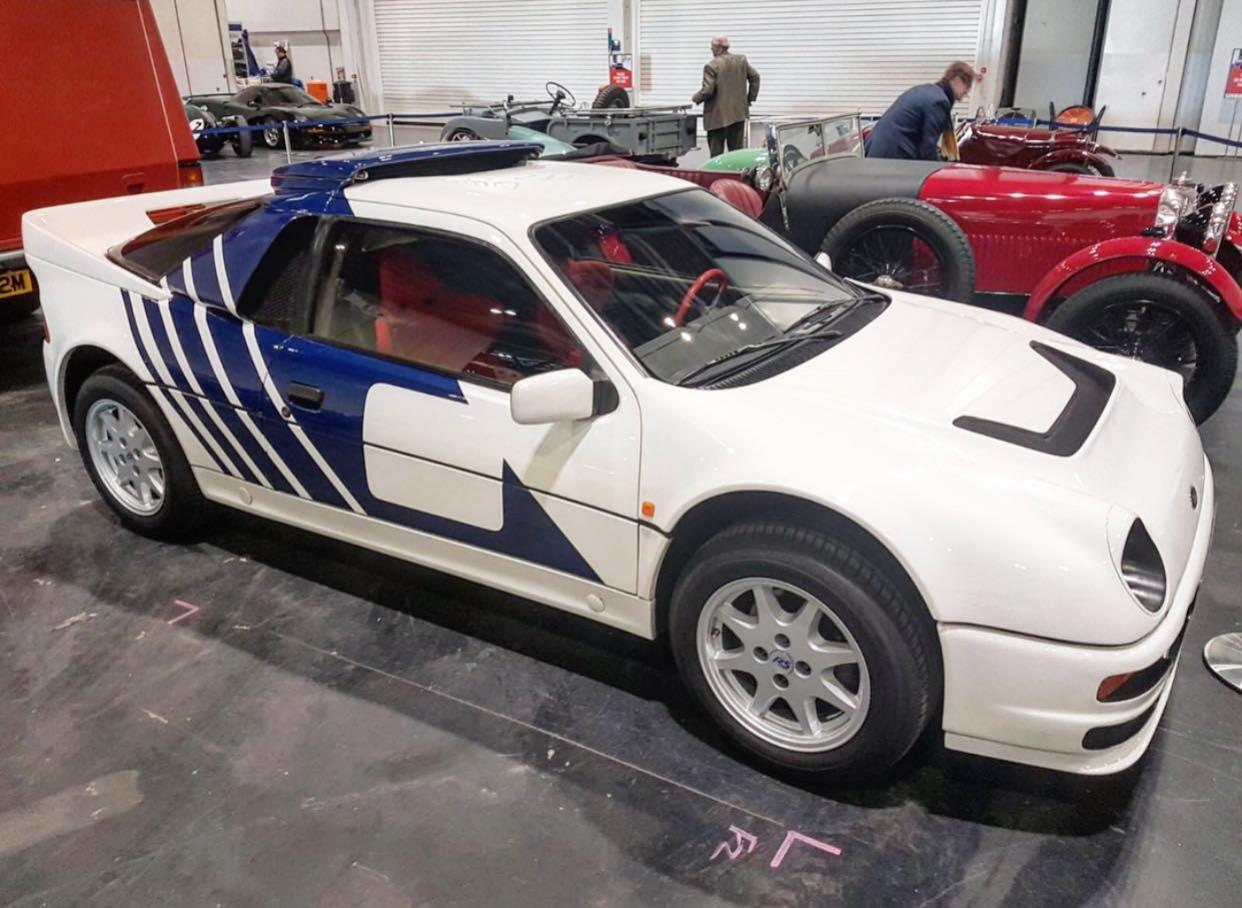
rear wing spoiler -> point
(77, 237)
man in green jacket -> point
(730, 86)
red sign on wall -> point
(621, 70)
(1233, 82)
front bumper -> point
(329, 133)
(1033, 701)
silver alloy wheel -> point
(783, 664)
(273, 136)
(125, 457)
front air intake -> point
(1142, 569)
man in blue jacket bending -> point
(912, 126)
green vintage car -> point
(754, 162)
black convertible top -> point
(822, 192)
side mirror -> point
(824, 260)
(565, 395)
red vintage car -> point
(1069, 150)
(1142, 269)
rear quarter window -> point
(164, 247)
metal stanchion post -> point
(1177, 152)
(392, 133)
(284, 125)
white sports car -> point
(851, 514)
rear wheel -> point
(903, 244)
(803, 651)
(1071, 167)
(1162, 321)
(242, 142)
(462, 134)
(611, 96)
(133, 457)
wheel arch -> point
(76, 367)
(702, 521)
(1133, 254)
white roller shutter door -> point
(814, 56)
(435, 54)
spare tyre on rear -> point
(611, 96)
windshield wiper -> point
(775, 343)
(841, 306)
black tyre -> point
(133, 457)
(242, 142)
(1161, 321)
(273, 133)
(461, 134)
(842, 690)
(611, 96)
(1072, 167)
(903, 244)
(585, 141)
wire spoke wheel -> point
(1147, 330)
(783, 664)
(125, 456)
(894, 257)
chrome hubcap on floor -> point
(125, 457)
(783, 665)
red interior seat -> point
(594, 280)
(741, 196)
(423, 321)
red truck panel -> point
(98, 112)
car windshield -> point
(550, 145)
(796, 143)
(288, 94)
(686, 281)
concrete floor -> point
(264, 717)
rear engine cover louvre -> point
(1093, 385)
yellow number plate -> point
(15, 283)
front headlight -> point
(1218, 221)
(1175, 201)
(763, 177)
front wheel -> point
(462, 134)
(133, 458)
(903, 244)
(803, 651)
(273, 133)
(1162, 321)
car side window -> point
(433, 300)
(277, 294)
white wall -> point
(195, 35)
(1056, 46)
(1141, 68)
(1220, 113)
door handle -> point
(307, 397)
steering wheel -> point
(792, 157)
(559, 94)
(711, 274)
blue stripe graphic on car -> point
(182, 312)
(527, 532)
(148, 360)
(195, 410)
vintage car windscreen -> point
(686, 279)
(833, 137)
